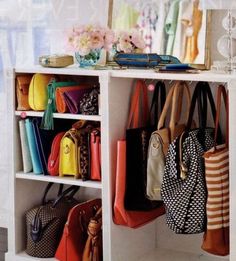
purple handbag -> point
(72, 99)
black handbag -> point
(43, 140)
(137, 140)
(184, 189)
(45, 223)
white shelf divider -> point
(56, 179)
(59, 115)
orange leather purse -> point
(74, 236)
(95, 155)
(22, 90)
(60, 100)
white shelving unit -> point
(153, 241)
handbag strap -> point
(158, 100)
(174, 100)
(79, 124)
(202, 93)
(140, 91)
(71, 191)
(221, 92)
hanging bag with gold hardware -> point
(163, 136)
(184, 189)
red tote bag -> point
(121, 216)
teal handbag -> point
(47, 120)
(37, 165)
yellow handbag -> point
(38, 91)
(69, 159)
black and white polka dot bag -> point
(184, 189)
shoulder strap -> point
(140, 92)
(202, 93)
(174, 99)
(158, 100)
(221, 92)
(171, 94)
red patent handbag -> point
(74, 236)
(95, 154)
(53, 159)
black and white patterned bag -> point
(184, 188)
(185, 196)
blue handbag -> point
(144, 60)
(37, 165)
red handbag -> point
(74, 236)
(95, 154)
(53, 160)
(121, 216)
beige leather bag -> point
(163, 136)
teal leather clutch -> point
(37, 165)
(144, 60)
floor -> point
(167, 255)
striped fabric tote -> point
(216, 237)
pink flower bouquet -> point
(84, 39)
(129, 42)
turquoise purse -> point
(37, 166)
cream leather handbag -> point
(163, 136)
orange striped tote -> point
(216, 237)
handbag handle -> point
(201, 94)
(48, 187)
(221, 92)
(71, 191)
(158, 100)
(133, 119)
(79, 124)
(174, 101)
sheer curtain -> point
(28, 29)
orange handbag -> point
(95, 155)
(72, 244)
(22, 90)
(60, 100)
